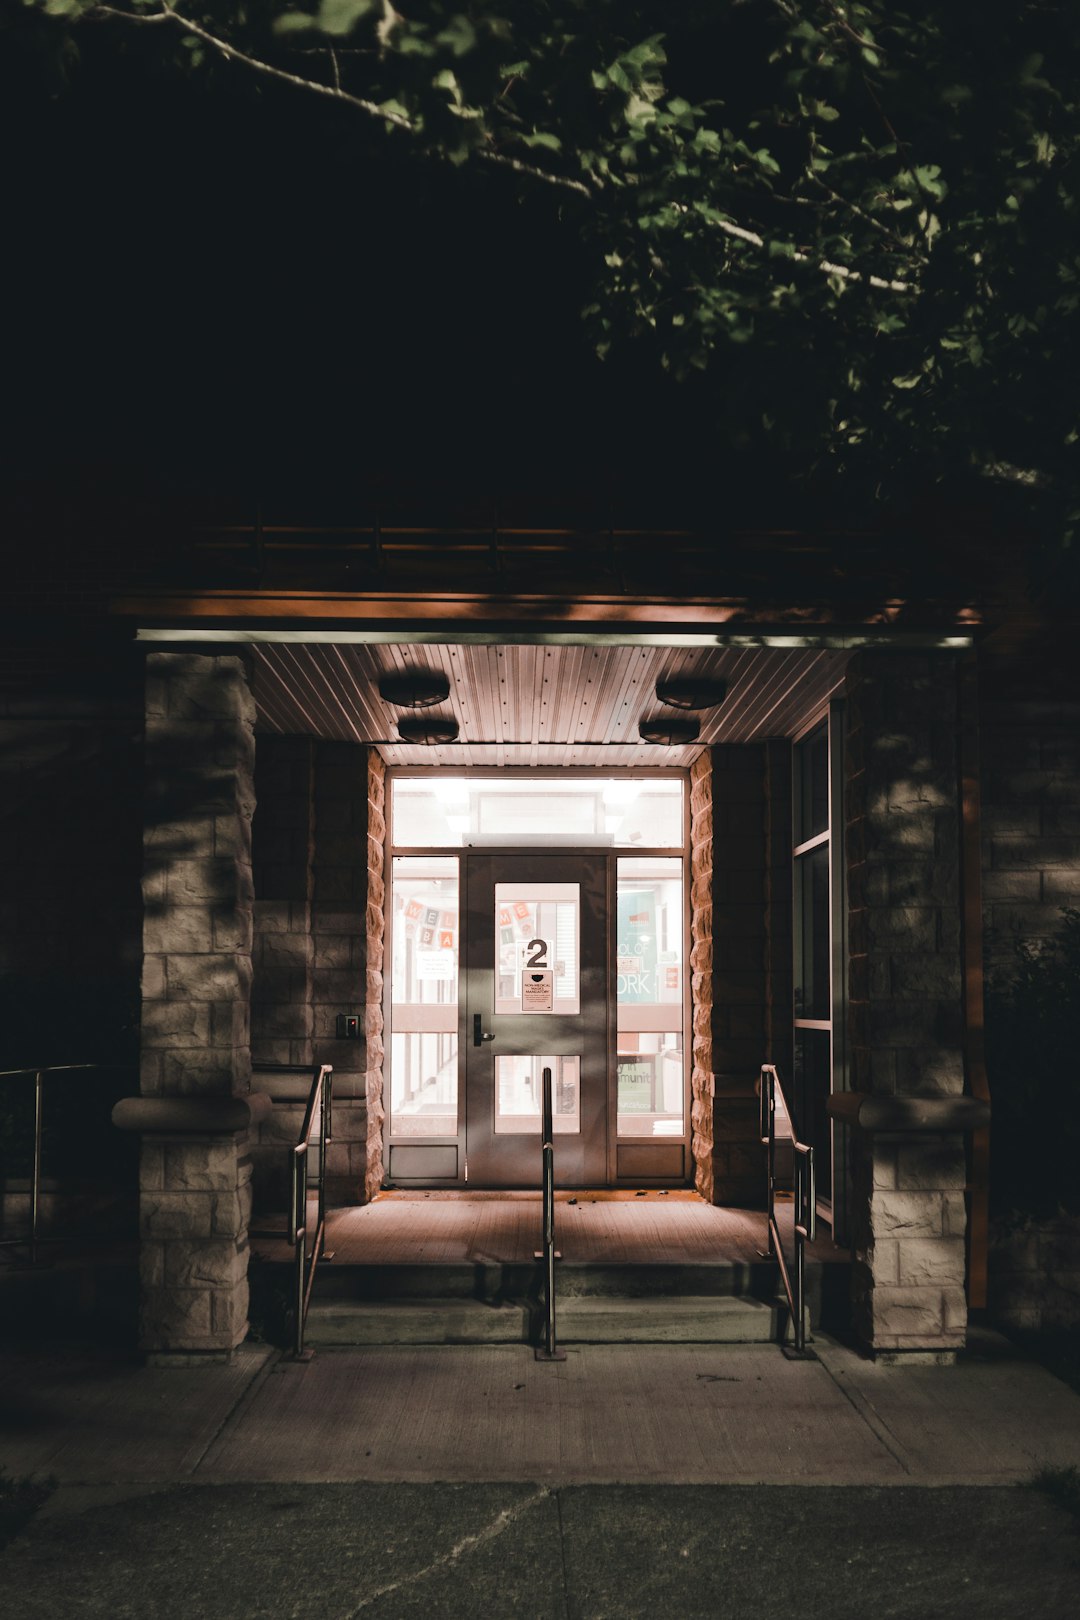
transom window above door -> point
(442, 811)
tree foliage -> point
(859, 220)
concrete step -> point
(498, 1283)
(581, 1319)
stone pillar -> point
(195, 1062)
(728, 961)
(905, 1013)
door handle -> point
(479, 1033)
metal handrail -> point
(805, 1201)
(39, 1074)
(320, 1099)
(549, 1350)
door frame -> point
(609, 854)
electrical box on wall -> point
(348, 1026)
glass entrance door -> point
(536, 996)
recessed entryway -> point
(537, 921)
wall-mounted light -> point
(668, 730)
(430, 729)
(414, 688)
(691, 691)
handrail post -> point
(320, 1097)
(549, 1351)
(804, 1211)
(35, 1167)
(298, 1238)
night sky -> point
(235, 283)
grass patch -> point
(19, 1501)
(1062, 1485)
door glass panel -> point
(423, 1084)
(444, 811)
(650, 995)
(651, 1084)
(424, 997)
(537, 925)
(519, 1091)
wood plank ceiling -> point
(540, 705)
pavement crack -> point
(867, 1413)
(467, 1544)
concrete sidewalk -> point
(674, 1414)
(628, 1481)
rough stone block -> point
(908, 1313)
(911, 1214)
(233, 929)
(229, 1314)
(231, 1212)
(152, 1264)
(181, 1024)
(221, 879)
(215, 976)
(215, 1264)
(203, 1165)
(178, 929)
(207, 1070)
(153, 982)
(932, 1162)
(151, 1165)
(175, 1215)
(930, 1261)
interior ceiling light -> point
(430, 728)
(668, 730)
(414, 688)
(691, 691)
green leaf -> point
(340, 17)
(459, 36)
(293, 22)
(543, 138)
(929, 177)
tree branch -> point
(334, 92)
(741, 234)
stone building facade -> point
(261, 859)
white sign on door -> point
(537, 990)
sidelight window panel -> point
(424, 996)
